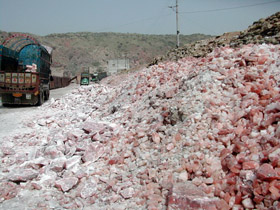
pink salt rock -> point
(266, 172)
(242, 63)
(275, 192)
(8, 190)
(177, 137)
(66, 184)
(277, 133)
(93, 127)
(262, 59)
(141, 134)
(239, 130)
(250, 58)
(248, 165)
(230, 162)
(188, 196)
(277, 170)
(156, 138)
(170, 93)
(36, 186)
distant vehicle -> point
(85, 78)
(25, 72)
(96, 77)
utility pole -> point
(177, 22)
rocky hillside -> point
(72, 51)
(262, 31)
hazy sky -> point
(214, 17)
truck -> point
(25, 72)
(85, 76)
(97, 77)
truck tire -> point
(40, 98)
(47, 95)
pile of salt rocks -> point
(200, 133)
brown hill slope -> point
(72, 51)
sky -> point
(213, 17)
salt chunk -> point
(66, 184)
(127, 192)
(22, 175)
(248, 203)
(184, 176)
(156, 138)
(89, 189)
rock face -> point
(263, 31)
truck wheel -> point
(40, 98)
(47, 95)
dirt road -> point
(11, 117)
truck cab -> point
(85, 76)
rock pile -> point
(262, 31)
(200, 133)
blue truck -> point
(25, 72)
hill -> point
(266, 30)
(73, 51)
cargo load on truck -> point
(25, 72)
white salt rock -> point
(209, 180)
(22, 174)
(72, 162)
(274, 155)
(58, 164)
(156, 138)
(93, 152)
(197, 181)
(248, 203)
(170, 146)
(184, 176)
(89, 189)
(127, 192)
(273, 106)
(66, 184)
(52, 152)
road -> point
(11, 117)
